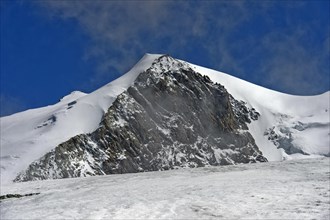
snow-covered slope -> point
(277, 190)
(28, 135)
(285, 111)
(298, 124)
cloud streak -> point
(291, 65)
(122, 31)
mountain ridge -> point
(250, 94)
(170, 117)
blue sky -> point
(50, 48)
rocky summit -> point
(171, 117)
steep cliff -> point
(171, 117)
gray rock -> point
(171, 117)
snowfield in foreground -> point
(296, 189)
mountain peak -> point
(73, 96)
(166, 63)
(287, 124)
(170, 117)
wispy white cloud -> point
(292, 65)
(117, 28)
(121, 31)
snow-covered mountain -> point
(164, 113)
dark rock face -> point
(171, 117)
(8, 196)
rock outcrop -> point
(171, 117)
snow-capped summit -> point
(73, 96)
(163, 113)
